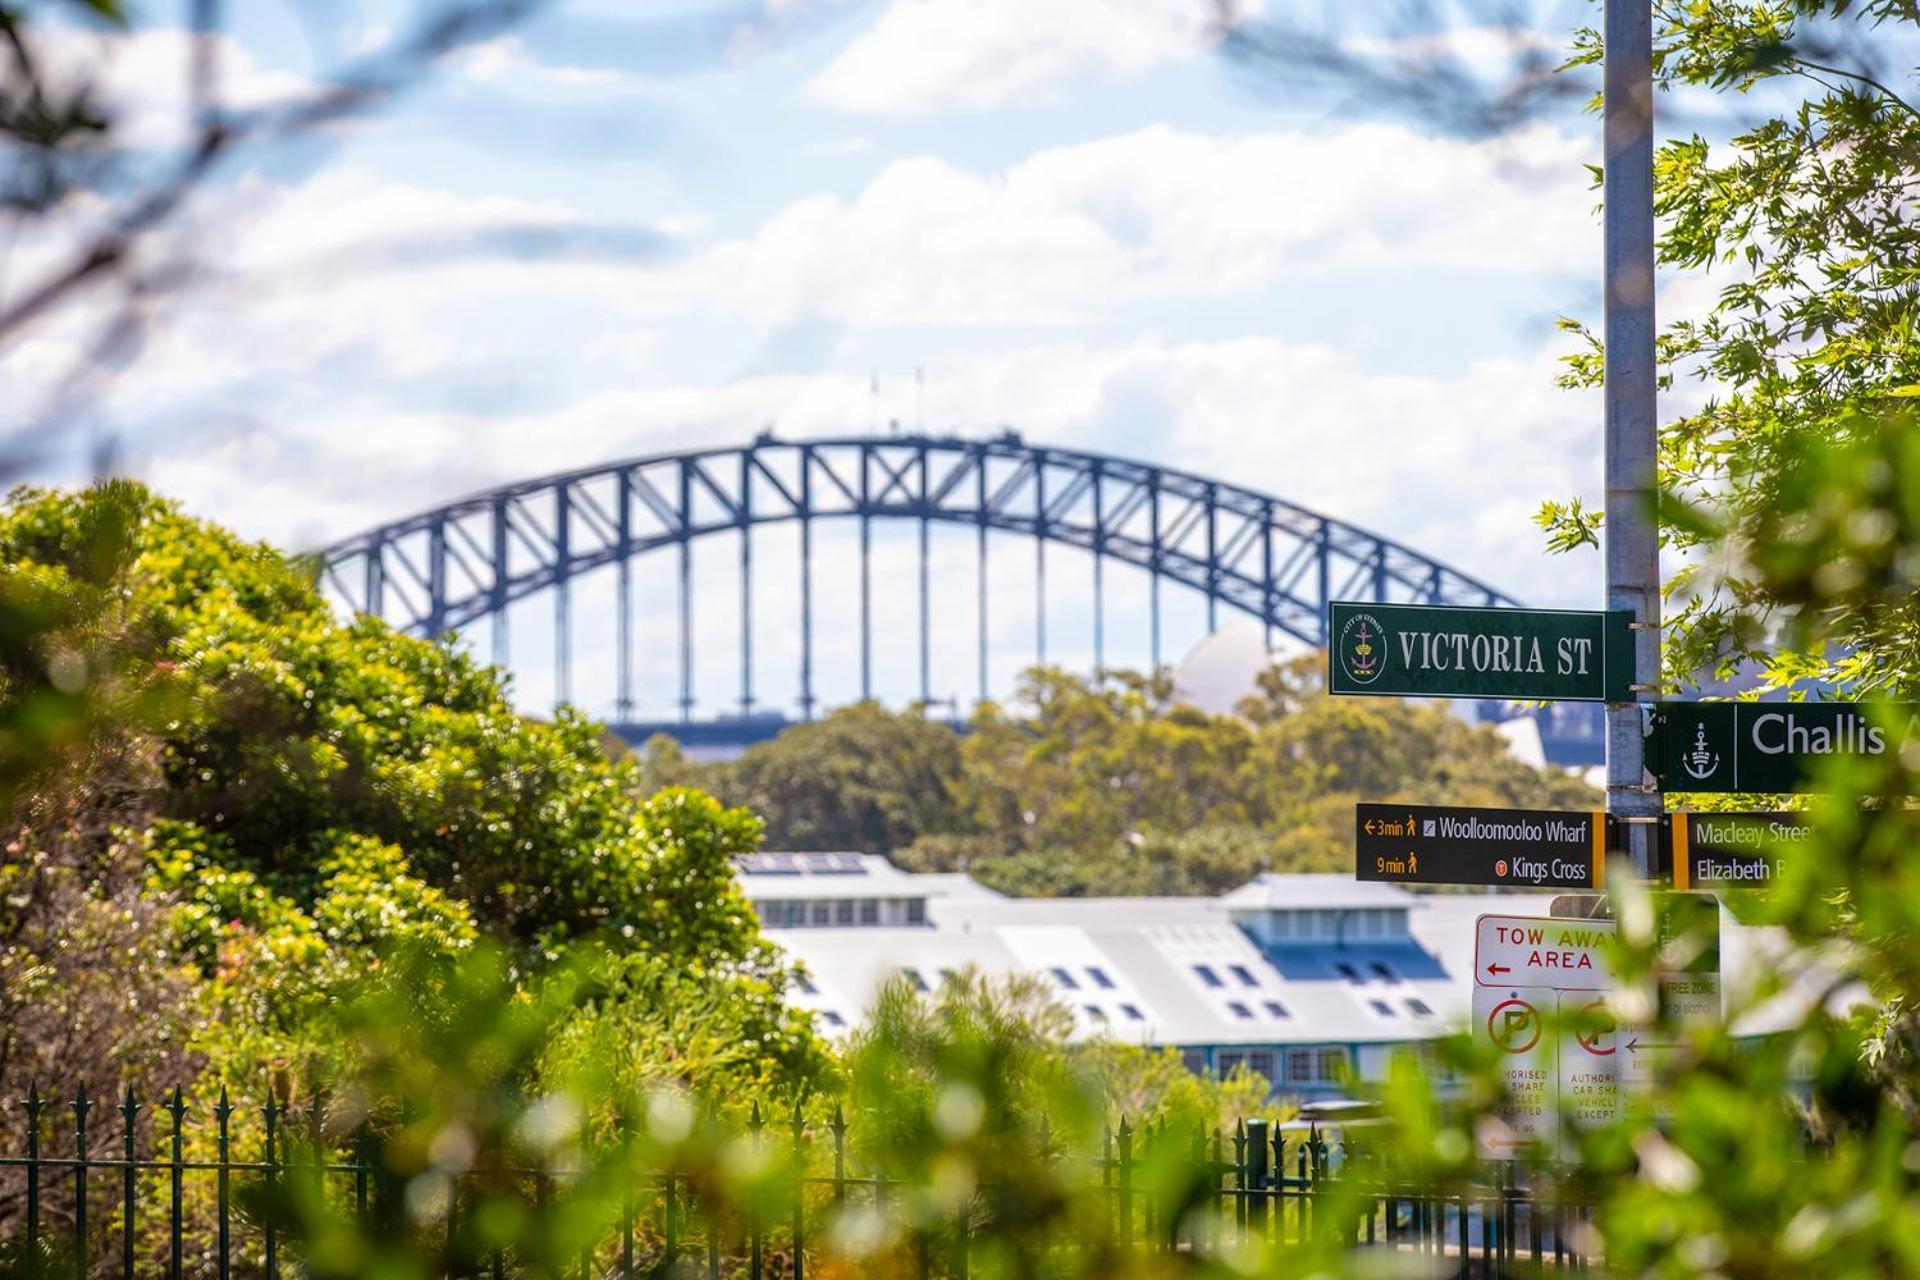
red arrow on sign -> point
(1498, 968)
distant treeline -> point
(1114, 787)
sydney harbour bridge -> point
(465, 565)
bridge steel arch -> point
(446, 568)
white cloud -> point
(507, 62)
(929, 55)
(1453, 465)
(1158, 213)
(143, 77)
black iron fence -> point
(93, 1189)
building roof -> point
(1182, 971)
(834, 875)
(1274, 891)
(1155, 956)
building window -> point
(1227, 1061)
(1064, 978)
(1382, 972)
(1207, 975)
(869, 911)
(1348, 972)
(843, 911)
(1282, 923)
(1420, 1008)
(1100, 978)
(823, 912)
(913, 975)
(916, 910)
(832, 1019)
(1133, 1013)
(1095, 1012)
(1238, 1010)
(1276, 1009)
(946, 977)
(1381, 1007)
(805, 985)
(1195, 1060)
(1260, 1062)
(1240, 971)
(1310, 1066)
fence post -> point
(1258, 1150)
(1240, 1180)
(222, 1111)
(33, 1107)
(270, 1114)
(129, 1109)
(1126, 1185)
(178, 1110)
(1106, 1180)
(81, 1106)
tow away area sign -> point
(1446, 844)
(1538, 951)
(1541, 1002)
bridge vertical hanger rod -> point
(1630, 533)
(980, 506)
(866, 577)
(746, 587)
(1323, 571)
(499, 601)
(926, 616)
(623, 693)
(1212, 559)
(806, 584)
(376, 587)
(1040, 560)
(562, 604)
(1153, 571)
(1266, 577)
(686, 592)
(437, 578)
(1099, 575)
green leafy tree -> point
(1807, 215)
(862, 778)
(1113, 787)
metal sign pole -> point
(1631, 536)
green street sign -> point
(1730, 850)
(1440, 651)
(1768, 746)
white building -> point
(1295, 976)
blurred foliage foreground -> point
(259, 856)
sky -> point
(627, 228)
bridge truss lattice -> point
(465, 562)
